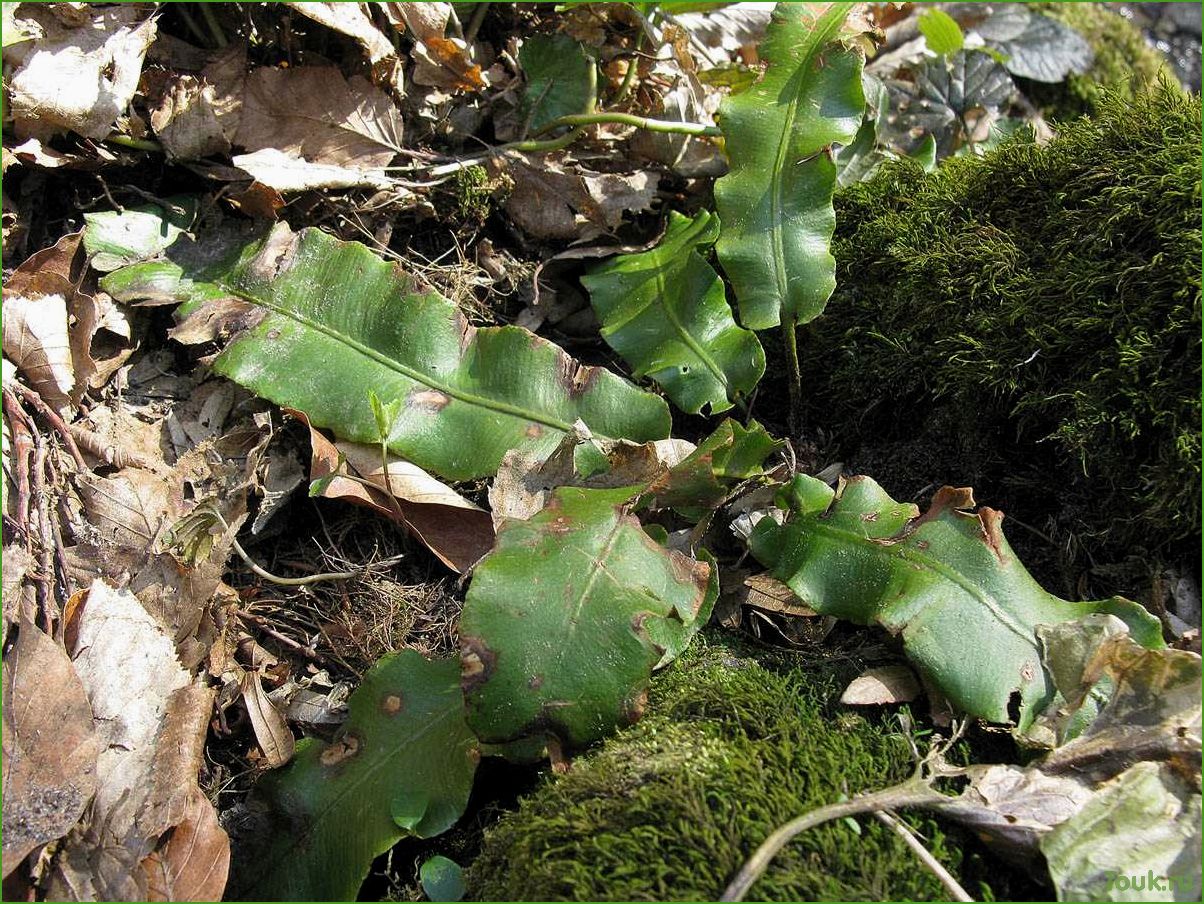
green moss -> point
(1050, 298)
(1124, 62)
(670, 809)
(474, 193)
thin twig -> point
(794, 375)
(262, 624)
(904, 831)
(54, 420)
(296, 582)
(912, 793)
(22, 435)
(46, 597)
(916, 791)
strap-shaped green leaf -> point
(665, 312)
(947, 581)
(567, 617)
(776, 200)
(402, 763)
(319, 323)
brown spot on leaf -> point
(1027, 672)
(477, 663)
(870, 516)
(578, 378)
(342, 749)
(277, 254)
(391, 705)
(535, 682)
(992, 533)
(922, 545)
(431, 401)
(534, 431)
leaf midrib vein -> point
(854, 539)
(818, 39)
(393, 364)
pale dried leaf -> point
(272, 733)
(80, 79)
(192, 865)
(423, 20)
(730, 28)
(50, 747)
(286, 173)
(37, 340)
(882, 686)
(32, 152)
(63, 268)
(128, 666)
(312, 112)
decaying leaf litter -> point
(306, 244)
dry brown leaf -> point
(151, 717)
(454, 529)
(349, 19)
(19, 596)
(770, 595)
(50, 747)
(78, 79)
(194, 861)
(257, 201)
(37, 340)
(63, 269)
(881, 686)
(312, 112)
(552, 201)
(32, 152)
(276, 741)
(439, 61)
(185, 122)
(128, 665)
